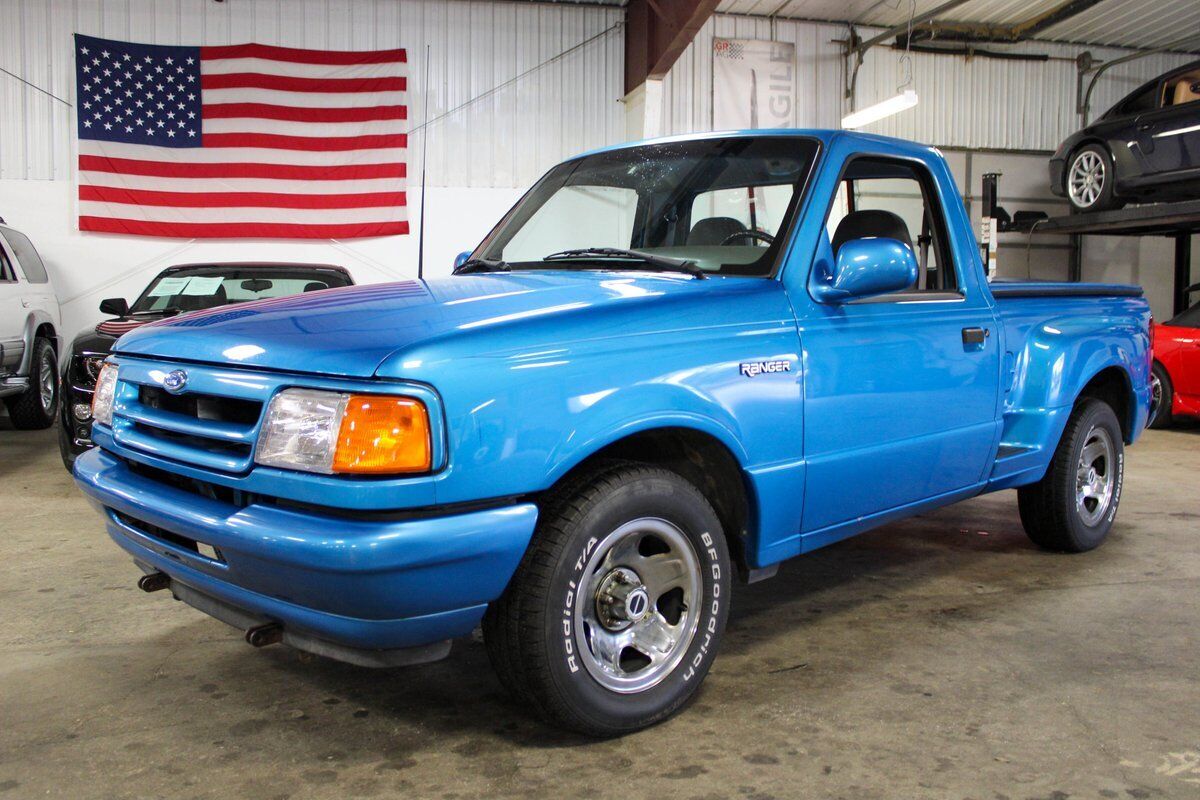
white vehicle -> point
(30, 334)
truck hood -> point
(351, 331)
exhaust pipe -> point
(154, 581)
(263, 635)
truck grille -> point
(212, 423)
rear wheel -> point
(1090, 179)
(36, 407)
(1162, 396)
(1072, 508)
(614, 615)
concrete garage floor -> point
(944, 657)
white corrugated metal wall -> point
(970, 103)
(998, 103)
(505, 140)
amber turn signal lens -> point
(383, 435)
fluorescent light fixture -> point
(893, 105)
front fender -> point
(33, 320)
(637, 409)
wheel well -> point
(46, 331)
(1112, 385)
(697, 457)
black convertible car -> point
(176, 290)
(1145, 147)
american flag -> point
(240, 141)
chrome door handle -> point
(26, 303)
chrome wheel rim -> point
(1156, 392)
(1095, 476)
(1085, 181)
(46, 384)
(639, 605)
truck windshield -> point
(723, 205)
(208, 287)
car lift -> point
(1180, 221)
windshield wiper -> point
(664, 263)
(481, 265)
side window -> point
(916, 217)
(27, 257)
(602, 216)
(1145, 100)
(7, 275)
(1182, 90)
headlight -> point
(91, 367)
(102, 399)
(333, 432)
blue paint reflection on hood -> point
(351, 331)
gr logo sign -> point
(751, 369)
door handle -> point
(26, 303)
(975, 335)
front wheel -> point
(614, 615)
(1072, 508)
(1090, 180)
(36, 407)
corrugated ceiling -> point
(1116, 23)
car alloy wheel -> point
(47, 384)
(1085, 180)
(1094, 477)
(640, 607)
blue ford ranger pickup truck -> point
(670, 364)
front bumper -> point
(365, 585)
(1057, 166)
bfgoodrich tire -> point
(615, 613)
(36, 407)
(1072, 508)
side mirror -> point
(461, 258)
(117, 306)
(866, 268)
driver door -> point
(900, 399)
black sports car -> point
(176, 290)
(1145, 147)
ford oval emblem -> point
(175, 381)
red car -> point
(1176, 377)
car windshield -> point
(1188, 318)
(719, 205)
(208, 287)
